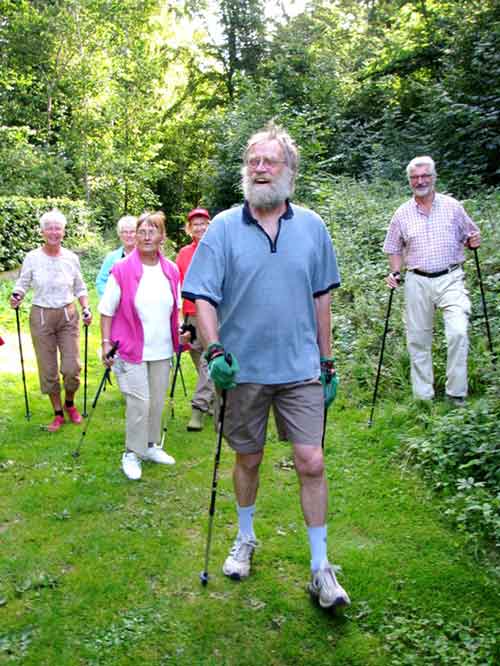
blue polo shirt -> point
(264, 291)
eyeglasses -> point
(267, 162)
(199, 225)
(127, 232)
(422, 176)
(146, 233)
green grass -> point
(98, 570)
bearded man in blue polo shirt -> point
(261, 279)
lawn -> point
(99, 570)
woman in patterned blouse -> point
(54, 274)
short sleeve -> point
(111, 297)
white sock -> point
(245, 521)
(317, 543)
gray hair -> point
(273, 132)
(53, 215)
(125, 221)
(425, 160)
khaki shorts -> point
(298, 411)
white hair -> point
(125, 221)
(273, 132)
(53, 215)
(424, 160)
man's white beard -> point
(268, 195)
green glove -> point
(222, 366)
(329, 379)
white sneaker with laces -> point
(239, 560)
(326, 589)
(131, 466)
(157, 455)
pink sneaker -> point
(73, 413)
(56, 423)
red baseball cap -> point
(198, 212)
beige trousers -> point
(423, 296)
(144, 386)
(204, 392)
(53, 330)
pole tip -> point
(204, 578)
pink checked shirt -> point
(432, 242)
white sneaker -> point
(131, 466)
(237, 564)
(325, 588)
(157, 455)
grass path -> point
(97, 570)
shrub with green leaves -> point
(20, 230)
(460, 455)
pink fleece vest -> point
(126, 326)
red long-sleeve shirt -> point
(183, 260)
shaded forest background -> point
(133, 104)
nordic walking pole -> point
(85, 367)
(182, 380)
(211, 510)
(26, 403)
(381, 356)
(178, 369)
(325, 414)
(174, 381)
(102, 386)
(483, 299)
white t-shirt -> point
(154, 302)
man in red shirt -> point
(197, 223)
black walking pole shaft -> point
(483, 300)
(211, 510)
(85, 369)
(382, 347)
(105, 378)
(182, 380)
(26, 403)
(174, 380)
(325, 414)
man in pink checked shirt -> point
(427, 235)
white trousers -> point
(144, 386)
(423, 296)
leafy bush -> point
(460, 455)
(357, 214)
(459, 451)
(30, 169)
(19, 228)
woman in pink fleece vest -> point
(140, 311)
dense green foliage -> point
(131, 105)
(20, 229)
(459, 452)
